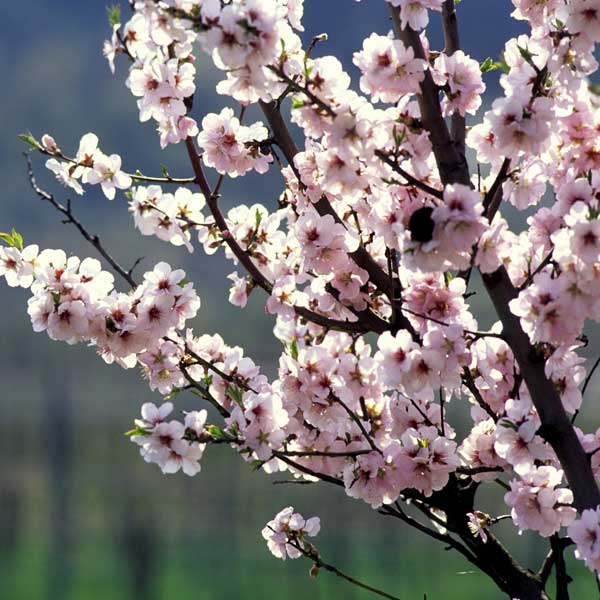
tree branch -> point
(313, 555)
(452, 44)
(560, 568)
(244, 258)
(556, 428)
(361, 257)
(93, 239)
(451, 162)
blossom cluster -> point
(286, 534)
(244, 38)
(75, 301)
(170, 444)
(537, 503)
(170, 217)
(232, 148)
(585, 532)
(90, 166)
(162, 72)
(364, 238)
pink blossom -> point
(537, 503)
(389, 69)
(585, 532)
(107, 172)
(286, 533)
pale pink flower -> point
(585, 532)
(537, 503)
(286, 533)
(107, 172)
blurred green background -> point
(82, 517)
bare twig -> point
(203, 391)
(311, 553)
(70, 218)
(409, 178)
(308, 453)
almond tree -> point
(381, 222)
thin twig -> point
(355, 418)
(348, 454)
(310, 552)
(469, 383)
(203, 391)
(409, 178)
(93, 239)
(543, 264)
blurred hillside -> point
(81, 516)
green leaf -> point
(18, 239)
(7, 238)
(297, 103)
(235, 394)
(294, 349)
(257, 218)
(488, 65)
(527, 56)
(172, 394)
(30, 140)
(217, 433)
(137, 430)
(502, 64)
(13, 239)
(114, 15)
(165, 171)
(255, 465)
(398, 137)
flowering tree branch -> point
(376, 214)
(70, 218)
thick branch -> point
(493, 198)
(556, 428)
(451, 162)
(361, 257)
(452, 44)
(560, 568)
(456, 500)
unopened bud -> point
(49, 144)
